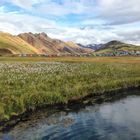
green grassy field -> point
(124, 59)
(27, 83)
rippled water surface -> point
(117, 120)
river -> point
(114, 120)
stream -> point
(113, 120)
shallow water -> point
(117, 120)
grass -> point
(28, 83)
(124, 59)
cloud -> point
(111, 11)
(15, 23)
(62, 7)
(82, 21)
(119, 11)
(55, 7)
(25, 4)
(130, 36)
(86, 36)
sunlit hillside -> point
(15, 45)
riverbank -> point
(26, 86)
(117, 116)
(72, 105)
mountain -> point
(41, 43)
(91, 46)
(111, 46)
(117, 46)
(15, 45)
(79, 48)
(47, 45)
(29, 43)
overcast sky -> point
(81, 21)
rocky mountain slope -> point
(48, 45)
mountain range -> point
(41, 43)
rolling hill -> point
(114, 45)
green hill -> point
(114, 45)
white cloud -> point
(16, 23)
(119, 11)
(85, 36)
(65, 7)
(26, 4)
(112, 11)
(56, 8)
(107, 20)
(93, 21)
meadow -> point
(28, 83)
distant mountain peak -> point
(43, 34)
(91, 46)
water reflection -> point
(118, 120)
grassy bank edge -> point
(6, 125)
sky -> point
(81, 21)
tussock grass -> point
(25, 86)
